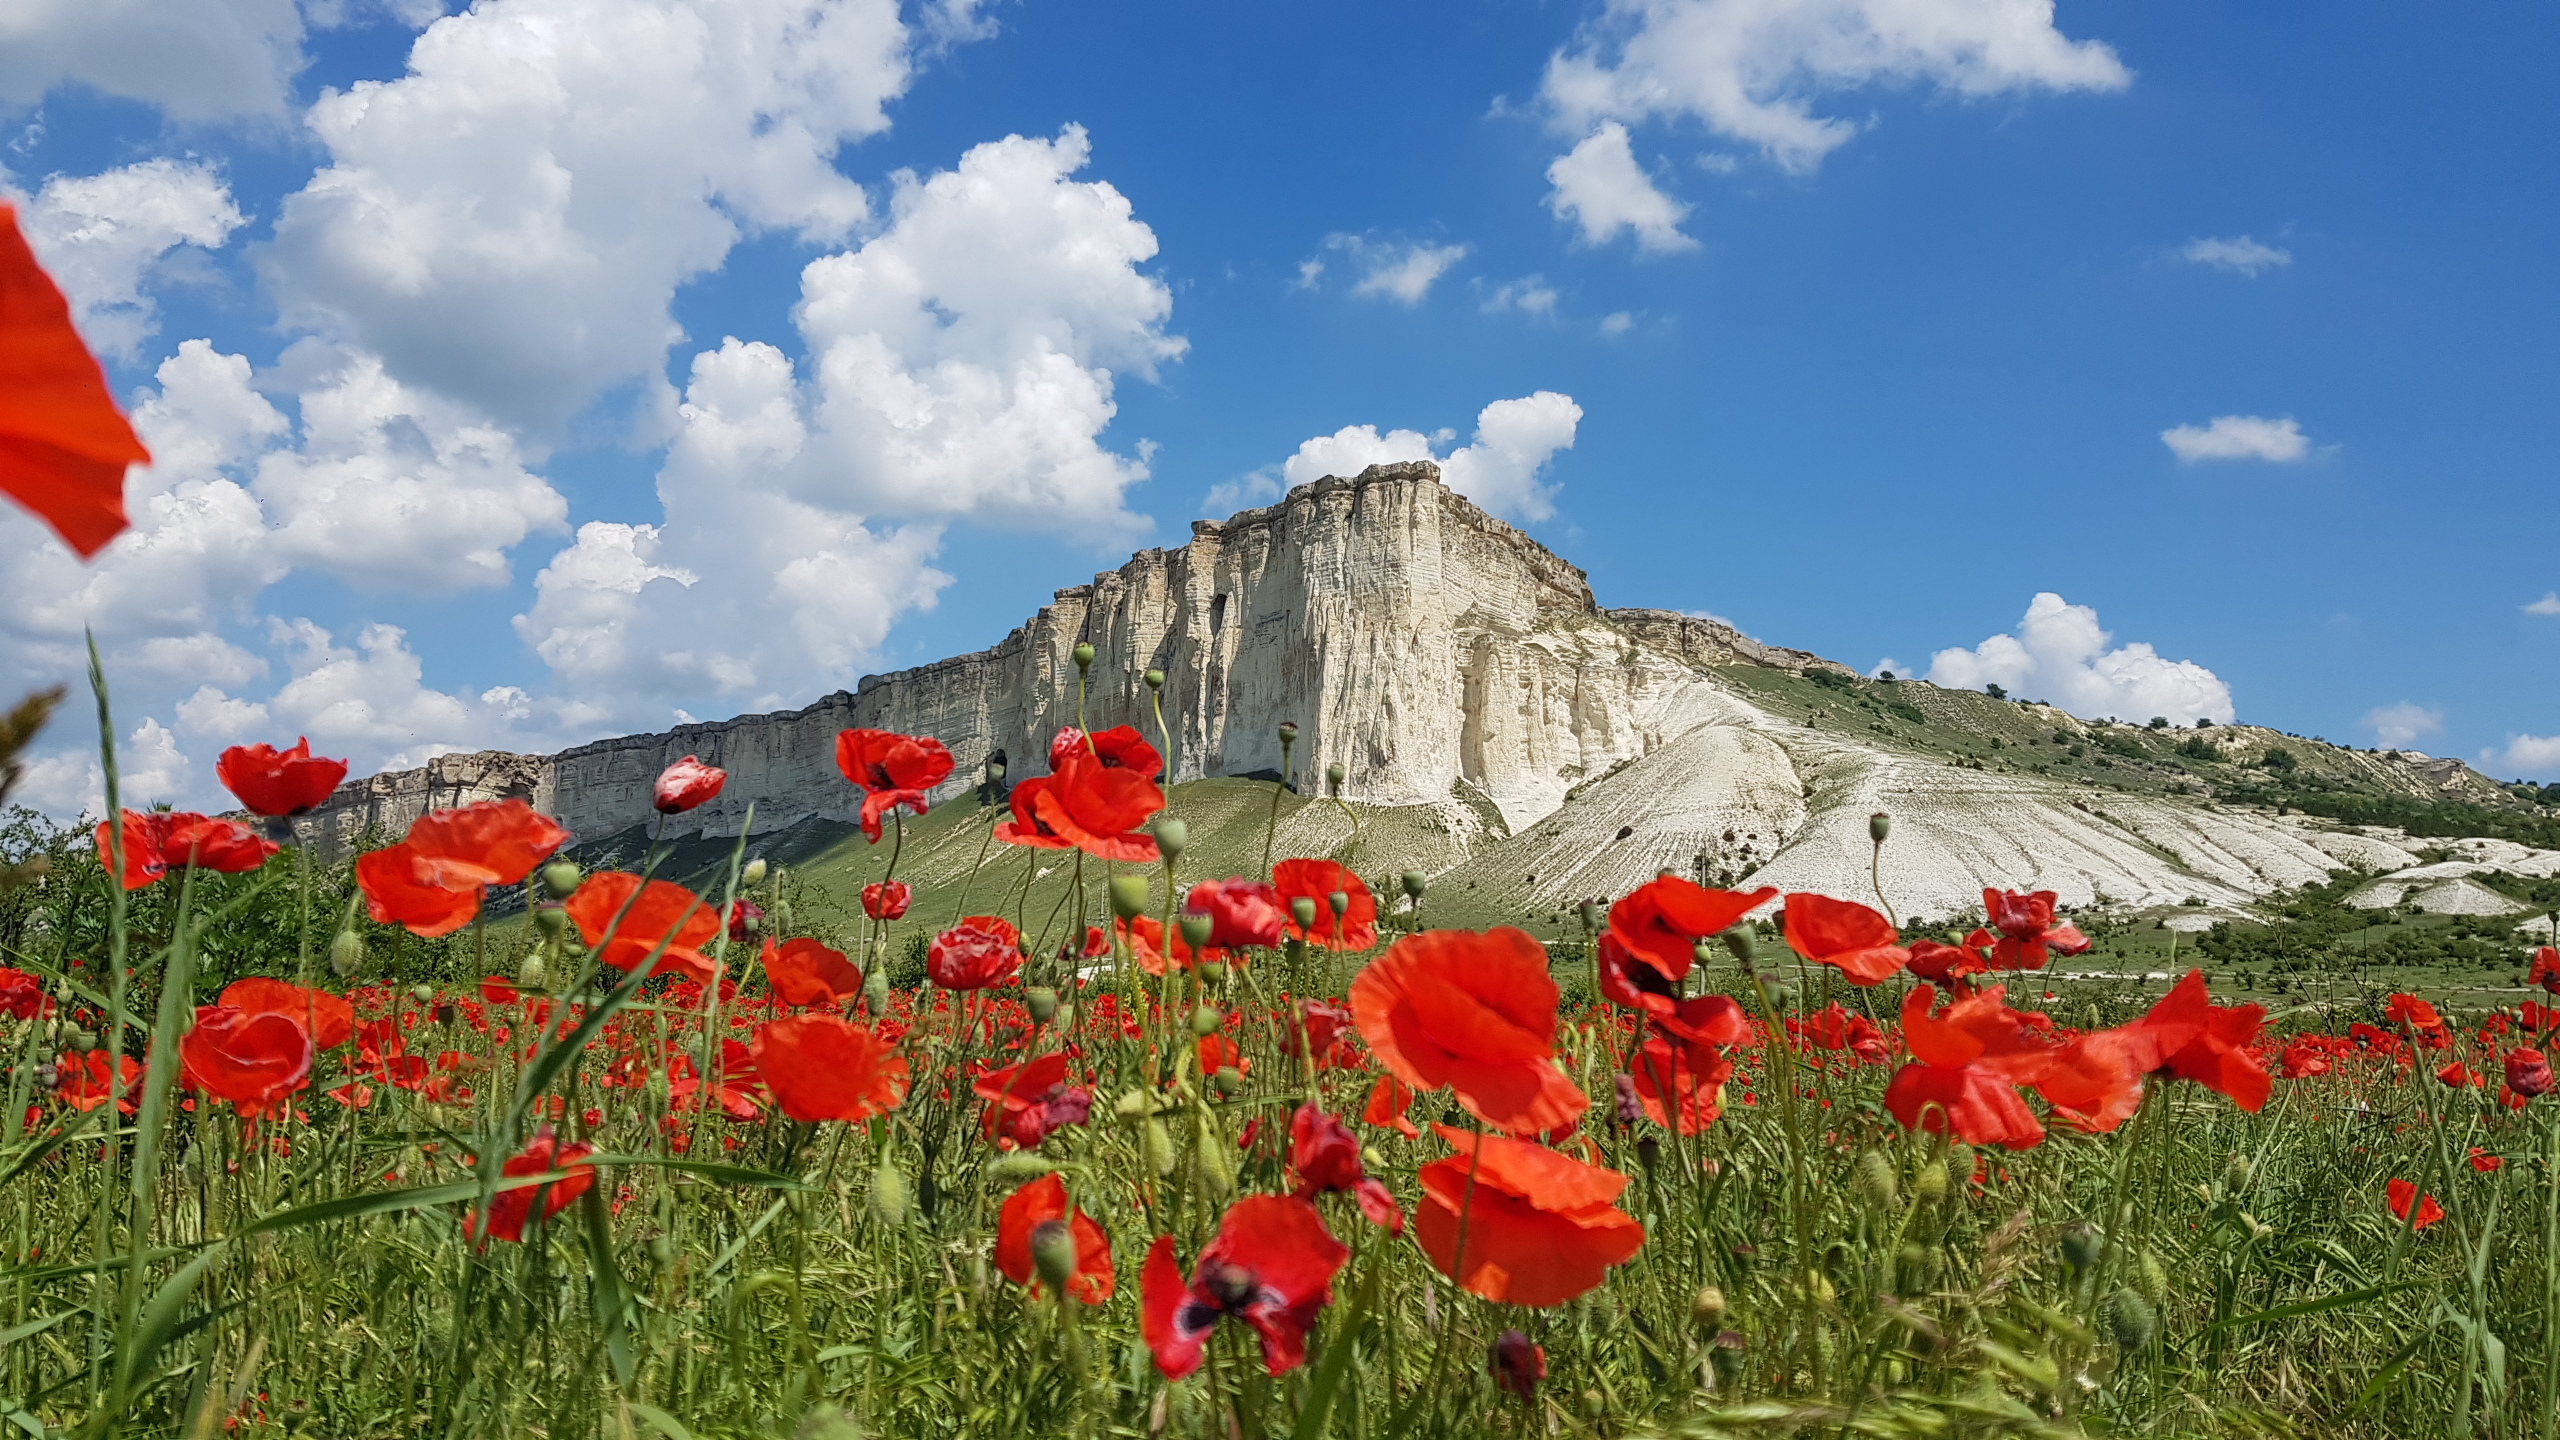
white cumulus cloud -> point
(2527, 755)
(1599, 186)
(102, 237)
(195, 59)
(2059, 654)
(2395, 727)
(1530, 295)
(508, 222)
(2549, 604)
(2238, 253)
(2239, 437)
(1751, 70)
(1399, 270)
(1501, 470)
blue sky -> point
(2163, 358)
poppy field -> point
(459, 1136)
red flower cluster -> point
(159, 841)
(894, 771)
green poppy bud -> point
(1213, 973)
(1288, 733)
(754, 873)
(1155, 679)
(2082, 1246)
(1370, 1157)
(1339, 902)
(1043, 1003)
(423, 994)
(2236, 1175)
(1302, 908)
(1134, 1104)
(1226, 1083)
(1415, 882)
(1171, 836)
(662, 1251)
(1197, 928)
(1649, 1154)
(1707, 1311)
(1738, 941)
(890, 1194)
(1703, 952)
(1159, 1147)
(995, 769)
(1018, 1167)
(532, 973)
(1084, 654)
(1590, 914)
(875, 990)
(1929, 1187)
(1217, 1162)
(1879, 825)
(1206, 1020)
(551, 920)
(1334, 775)
(346, 954)
(1053, 1252)
(1873, 1180)
(560, 879)
(1128, 896)
(2130, 1320)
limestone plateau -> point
(1449, 662)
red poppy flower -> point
(2413, 1012)
(886, 899)
(980, 952)
(1839, 1028)
(1681, 1083)
(1327, 1158)
(496, 842)
(22, 995)
(83, 1082)
(2188, 1036)
(2027, 931)
(1474, 1012)
(2454, 1075)
(2545, 970)
(2304, 1057)
(746, 918)
(512, 1210)
(1841, 933)
(1966, 1065)
(329, 1019)
(1323, 1027)
(279, 782)
(1661, 922)
(159, 841)
(2092, 1084)
(394, 894)
(1942, 964)
(2486, 1163)
(2528, 1072)
(822, 1068)
(658, 911)
(807, 972)
(1096, 808)
(253, 1061)
(1044, 1202)
(1027, 1101)
(687, 783)
(1271, 1265)
(1241, 912)
(1146, 940)
(1541, 1226)
(1319, 881)
(1518, 1366)
(63, 445)
(1120, 748)
(893, 770)
(1025, 827)
(2401, 1192)
(738, 1091)
(1391, 1103)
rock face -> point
(1446, 660)
(1415, 640)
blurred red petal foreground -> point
(63, 444)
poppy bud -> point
(1518, 1365)
(995, 769)
(1159, 1147)
(444, 1014)
(422, 993)
(1018, 1167)
(1334, 775)
(1206, 1020)
(1929, 1187)
(781, 922)
(754, 873)
(2235, 1176)
(2155, 1281)
(1084, 654)
(1155, 679)
(1217, 1163)
(875, 990)
(1043, 1003)
(1370, 1157)
(1197, 928)
(2082, 1246)
(1134, 1104)
(1649, 1152)
(1873, 1180)
(1128, 896)
(551, 920)
(1707, 1310)
(662, 1251)
(1879, 825)
(2130, 1320)
(1703, 952)
(1226, 1083)
(560, 879)
(346, 954)
(1738, 941)
(1288, 733)
(1590, 915)
(1053, 1252)
(1339, 902)
(1213, 972)
(1302, 908)
(889, 1193)
(1781, 994)
(1414, 882)
(530, 974)
(84, 1039)
(1171, 836)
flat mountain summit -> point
(1516, 738)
